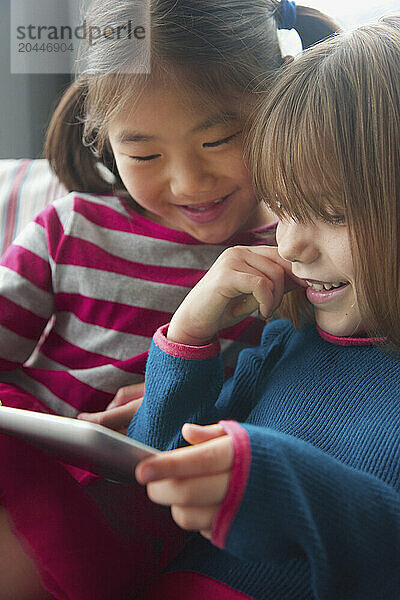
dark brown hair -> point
(217, 49)
(326, 141)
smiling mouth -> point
(320, 286)
(205, 205)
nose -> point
(297, 242)
(191, 177)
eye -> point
(220, 142)
(145, 158)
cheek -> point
(139, 184)
(338, 247)
(232, 164)
(345, 262)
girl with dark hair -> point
(110, 262)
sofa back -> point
(26, 187)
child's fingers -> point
(117, 419)
(214, 456)
(193, 491)
(271, 252)
(127, 394)
(194, 518)
(239, 293)
(257, 270)
(195, 434)
(240, 282)
(261, 296)
(273, 272)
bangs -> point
(293, 150)
(302, 184)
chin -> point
(210, 237)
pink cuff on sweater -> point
(348, 341)
(183, 351)
(237, 485)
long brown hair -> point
(326, 141)
(217, 49)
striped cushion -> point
(26, 187)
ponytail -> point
(313, 26)
(74, 163)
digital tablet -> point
(86, 445)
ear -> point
(286, 60)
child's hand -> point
(192, 480)
(119, 413)
(241, 280)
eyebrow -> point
(221, 118)
(218, 119)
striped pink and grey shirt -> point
(106, 278)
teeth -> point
(203, 208)
(327, 286)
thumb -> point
(196, 434)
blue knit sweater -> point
(320, 516)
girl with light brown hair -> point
(330, 151)
(293, 468)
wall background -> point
(26, 101)
(350, 13)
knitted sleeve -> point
(302, 503)
(176, 391)
(186, 384)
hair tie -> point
(287, 16)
